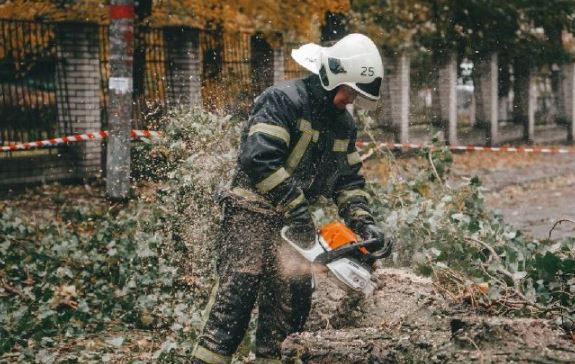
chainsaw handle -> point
(330, 256)
(382, 251)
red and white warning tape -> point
(360, 144)
(472, 148)
(76, 138)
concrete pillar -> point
(525, 104)
(503, 109)
(487, 95)
(568, 96)
(78, 91)
(532, 102)
(395, 96)
(279, 68)
(183, 66)
(447, 98)
(524, 96)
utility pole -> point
(143, 9)
(121, 41)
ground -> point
(532, 192)
(406, 320)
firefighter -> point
(298, 144)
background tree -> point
(530, 29)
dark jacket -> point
(297, 146)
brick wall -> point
(395, 96)
(184, 67)
(78, 102)
(79, 96)
(279, 70)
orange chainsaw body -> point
(336, 234)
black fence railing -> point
(291, 68)
(152, 96)
(226, 70)
(234, 68)
(29, 75)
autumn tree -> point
(533, 29)
(297, 20)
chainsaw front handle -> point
(383, 251)
(330, 256)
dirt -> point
(532, 192)
(406, 321)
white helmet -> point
(353, 61)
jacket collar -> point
(321, 100)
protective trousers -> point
(254, 266)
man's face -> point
(345, 95)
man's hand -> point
(372, 231)
(301, 229)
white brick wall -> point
(447, 98)
(395, 96)
(184, 72)
(279, 70)
(78, 97)
(487, 97)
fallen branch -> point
(485, 245)
(475, 346)
(558, 222)
(11, 289)
(429, 156)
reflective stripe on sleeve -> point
(315, 136)
(346, 195)
(308, 134)
(273, 130)
(209, 356)
(340, 145)
(271, 181)
(295, 202)
(353, 158)
(359, 213)
(250, 196)
(304, 126)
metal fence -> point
(235, 67)
(226, 70)
(291, 68)
(547, 106)
(29, 75)
(153, 95)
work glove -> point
(372, 231)
(301, 229)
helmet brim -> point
(307, 56)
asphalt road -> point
(532, 192)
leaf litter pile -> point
(82, 279)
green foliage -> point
(447, 232)
(148, 265)
(83, 271)
(528, 30)
(145, 265)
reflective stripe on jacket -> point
(297, 146)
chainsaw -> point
(346, 257)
